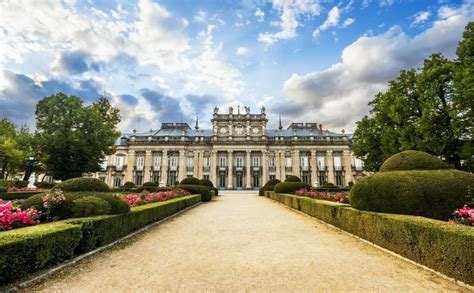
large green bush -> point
(292, 178)
(20, 184)
(433, 194)
(45, 185)
(150, 186)
(83, 184)
(269, 186)
(24, 251)
(89, 206)
(289, 187)
(206, 182)
(191, 181)
(441, 246)
(412, 160)
(64, 208)
(204, 191)
(128, 185)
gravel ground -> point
(243, 242)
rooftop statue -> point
(216, 110)
(247, 110)
(262, 110)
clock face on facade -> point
(255, 130)
(223, 130)
(239, 131)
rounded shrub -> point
(44, 185)
(290, 187)
(292, 178)
(204, 191)
(89, 206)
(434, 194)
(190, 181)
(20, 184)
(216, 191)
(205, 182)
(269, 186)
(117, 205)
(150, 186)
(128, 185)
(83, 184)
(412, 160)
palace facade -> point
(239, 152)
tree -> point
(74, 138)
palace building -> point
(239, 152)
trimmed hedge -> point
(83, 184)
(45, 185)
(269, 186)
(204, 191)
(18, 195)
(128, 185)
(88, 206)
(20, 183)
(434, 194)
(289, 187)
(444, 247)
(6, 183)
(412, 160)
(26, 250)
(150, 186)
(292, 178)
(191, 181)
(206, 182)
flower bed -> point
(134, 199)
(340, 197)
(11, 218)
(464, 216)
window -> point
(306, 178)
(287, 161)
(339, 178)
(103, 165)
(117, 182)
(358, 164)
(321, 162)
(271, 162)
(138, 178)
(272, 177)
(119, 163)
(321, 177)
(155, 176)
(157, 162)
(189, 161)
(222, 161)
(102, 178)
(206, 177)
(304, 161)
(207, 162)
(239, 161)
(337, 163)
(256, 162)
(140, 163)
(174, 161)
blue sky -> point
(168, 61)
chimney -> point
(320, 128)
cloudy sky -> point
(170, 60)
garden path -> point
(243, 242)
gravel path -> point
(243, 242)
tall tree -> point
(74, 138)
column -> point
(248, 184)
(295, 165)
(346, 163)
(330, 166)
(314, 168)
(197, 172)
(148, 166)
(230, 165)
(278, 165)
(181, 165)
(130, 166)
(213, 168)
(164, 168)
(264, 167)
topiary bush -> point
(20, 184)
(89, 206)
(290, 187)
(83, 184)
(412, 160)
(206, 182)
(190, 181)
(204, 191)
(150, 186)
(269, 186)
(434, 194)
(128, 185)
(44, 185)
(292, 178)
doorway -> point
(239, 181)
(256, 181)
(222, 181)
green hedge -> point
(269, 186)
(6, 183)
(289, 187)
(204, 191)
(191, 181)
(83, 184)
(441, 246)
(412, 160)
(18, 195)
(292, 178)
(434, 194)
(26, 250)
(20, 184)
(44, 185)
(150, 186)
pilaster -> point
(248, 184)
(130, 166)
(213, 169)
(164, 168)
(230, 166)
(330, 166)
(147, 169)
(295, 165)
(314, 168)
(181, 165)
(264, 167)
(346, 163)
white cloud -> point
(260, 15)
(331, 21)
(348, 22)
(341, 92)
(242, 51)
(420, 17)
(290, 11)
(200, 16)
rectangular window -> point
(140, 163)
(119, 163)
(321, 162)
(272, 177)
(173, 161)
(138, 178)
(239, 161)
(271, 162)
(205, 177)
(339, 179)
(189, 161)
(256, 162)
(103, 165)
(155, 176)
(207, 162)
(358, 164)
(222, 161)
(117, 182)
(156, 162)
(287, 161)
(304, 161)
(102, 178)
(337, 163)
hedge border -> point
(18, 194)
(441, 246)
(27, 250)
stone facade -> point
(239, 152)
